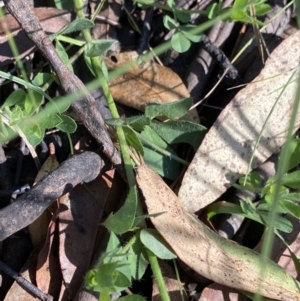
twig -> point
(86, 107)
(29, 287)
(28, 207)
(220, 57)
(146, 30)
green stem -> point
(158, 276)
(129, 243)
(97, 66)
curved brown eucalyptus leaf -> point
(226, 150)
(147, 83)
(51, 19)
(207, 253)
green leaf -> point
(133, 140)
(185, 30)
(269, 193)
(182, 15)
(262, 217)
(171, 3)
(155, 243)
(107, 277)
(180, 131)
(88, 63)
(58, 105)
(98, 47)
(262, 9)
(281, 223)
(78, 24)
(16, 97)
(213, 10)
(292, 180)
(123, 220)
(137, 260)
(33, 101)
(169, 22)
(252, 181)
(290, 207)
(68, 125)
(16, 114)
(51, 121)
(180, 43)
(223, 208)
(34, 134)
(42, 78)
(294, 158)
(64, 4)
(113, 244)
(65, 58)
(294, 196)
(240, 15)
(162, 164)
(240, 4)
(132, 298)
(171, 110)
(136, 122)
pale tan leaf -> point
(226, 150)
(147, 83)
(207, 253)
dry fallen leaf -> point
(48, 272)
(207, 253)
(78, 227)
(52, 20)
(226, 150)
(16, 292)
(147, 83)
(221, 293)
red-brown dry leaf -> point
(38, 229)
(52, 20)
(48, 274)
(147, 83)
(16, 292)
(218, 292)
(116, 194)
(78, 226)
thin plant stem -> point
(164, 295)
(97, 66)
(283, 162)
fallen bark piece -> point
(27, 208)
(227, 148)
(208, 254)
